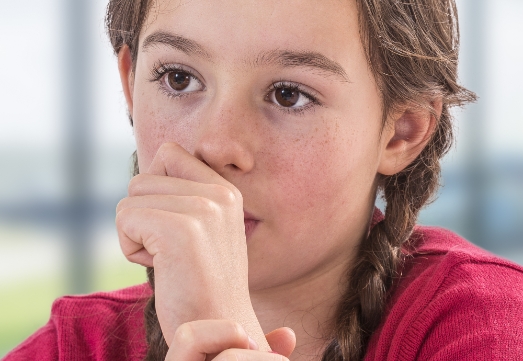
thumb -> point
(282, 340)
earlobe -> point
(125, 67)
(407, 133)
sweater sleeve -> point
(475, 315)
(103, 326)
(42, 346)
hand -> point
(226, 340)
(186, 221)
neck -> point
(307, 306)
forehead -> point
(240, 28)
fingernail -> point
(252, 344)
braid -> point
(412, 63)
(379, 260)
(157, 347)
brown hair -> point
(412, 49)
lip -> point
(250, 223)
(247, 215)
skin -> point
(226, 146)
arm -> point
(475, 315)
(42, 345)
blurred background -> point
(65, 146)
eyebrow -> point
(309, 59)
(188, 46)
(285, 58)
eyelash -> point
(295, 87)
(160, 70)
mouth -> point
(250, 223)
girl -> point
(265, 130)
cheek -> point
(150, 135)
(317, 200)
(156, 122)
(326, 177)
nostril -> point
(224, 156)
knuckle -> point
(135, 185)
(236, 330)
(121, 218)
(125, 221)
(227, 196)
(166, 149)
(205, 205)
(192, 227)
(121, 205)
(184, 334)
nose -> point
(225, 140)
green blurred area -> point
(26, 305)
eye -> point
(182, 81)
(175, 80)
(290, 96)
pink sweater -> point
(455, 302)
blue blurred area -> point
(65, 141)
(482, 194)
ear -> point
(125, 67)
(407, 132)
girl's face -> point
(277, 97)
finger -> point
(248, 355)
(193, 341)
(142, 228)
(174, 161)
(141, 257)
(148, 184)
(144, 184)
(191, 205)
(282, 341)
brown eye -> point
(179, 80)
(287, 97)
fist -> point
(186, 221)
